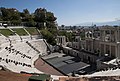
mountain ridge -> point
(111, 23)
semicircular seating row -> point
(20, 56)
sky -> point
(71, 12)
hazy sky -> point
(71, 12)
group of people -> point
(111, 68)
(32, 47)
(12, 50)
(15, 62)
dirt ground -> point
(44, 67)
(39, 64)
(10, 76)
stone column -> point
(110, 36)
(116, 40)
(93, 45)
(104, 49)
(104, 35)
(110, 41)
(118, 34)
(85, 44)
(110, 49)
(92, 34)
(100, 35)
(100, 50)
(85, 34)
(116, 51)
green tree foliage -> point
(82, 35)
(5, 14)
(26, 11)
(42, 16)
(25, 15)
(50, 17)
(11, 14)
(0, 15)
(27, 18)
(50, 20)
(51, 25)
(50, 38)
(46, 21)
(69, 35)
(15, 17)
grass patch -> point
(6, 32)
(20, 31)
(32, 31)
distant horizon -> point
(71, 12)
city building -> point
(101, 45)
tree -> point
(62, 26)
(82, 35)
(0, 15)
(41, 17)
(50, 38)
(14, 16)
(25, 15)
(27, 18)
(10, 14)
(5, 14)
(50, 17)
(40, 14)
(25, 11)
(69, 35)
(50, 20)
(44, 18)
